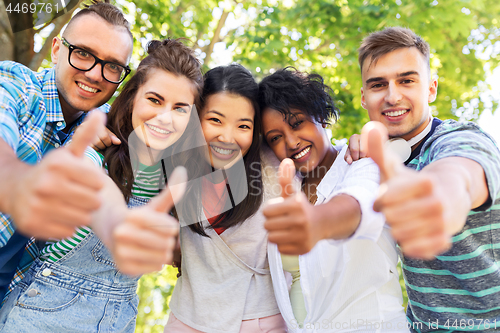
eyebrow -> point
(223, 116)
(160, 97)
(270, 131)
(379, 78)
(91, 50)
(246, 119)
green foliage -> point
(154, 293)
(322, 36)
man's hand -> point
(50, 199)
(289, 220)
(104, 139)
(146, 239)
(413, 203)
(356, 150)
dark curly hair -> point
(288, 89)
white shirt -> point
(350, 285)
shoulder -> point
(455, 133)
(361, 166)
(460, 139)
(11, 71)
(94, 156)
(104, 108)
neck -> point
(317, 174)
(417, 138)
(69, 113)
(217, 176)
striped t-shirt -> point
(459, 290)
(148, 182)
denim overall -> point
(81, 292)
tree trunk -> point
(6, 35)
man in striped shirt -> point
(444, 207)
(47, 196)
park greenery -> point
(312, 35)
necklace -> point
(311, 195)
(311, 189)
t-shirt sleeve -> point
(467, 140)
(95, 157)
(361, 182)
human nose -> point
(165, 116)
(95, 74)
(393, 94)
(292, 141)
(226, 135)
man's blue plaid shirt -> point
(30, 117)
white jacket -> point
(348, 285)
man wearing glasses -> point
(46, 197)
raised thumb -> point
(87, 133)
(373, 136)
(173, 193)
(286, 173)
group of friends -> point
(279, 230)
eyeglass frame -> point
(98, 60)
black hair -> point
(288, 89)
(237, 80)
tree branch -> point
(59, 23)
(216, 37)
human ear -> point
(56, 46)
(363, 101)
(432, 90)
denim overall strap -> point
(81, 292)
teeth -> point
(157, 129)
(87, 88)
(395, 113)
(222, 151)
(301, 154)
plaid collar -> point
(51, 96)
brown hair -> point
(106, 11)
(168, 55)
(388, 40)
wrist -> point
(13, 187)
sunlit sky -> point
(491, 122)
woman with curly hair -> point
(340, 255)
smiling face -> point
(397, 91)
(83, 91)
(162, 109)
(227, 122)
(300, 139)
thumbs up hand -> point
(60, 193)
(411, 201)
(289, 219)
(146, 239)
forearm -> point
(12, 171)
(461, 185)
(337, 218)
(111, 213)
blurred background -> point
(319, 36)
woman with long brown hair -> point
(74, 285)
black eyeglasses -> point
(83, 60)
